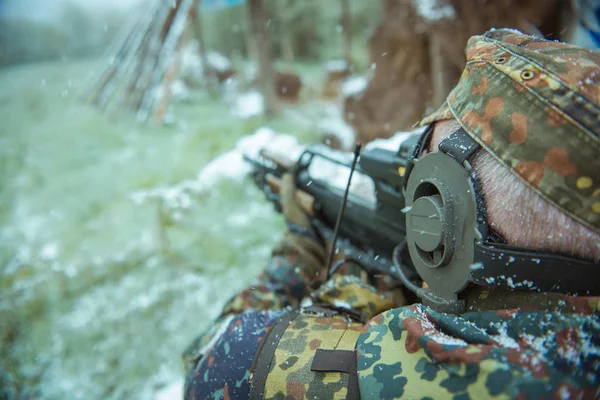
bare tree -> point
(259, 21)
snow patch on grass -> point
(432, 10)
(247, 105)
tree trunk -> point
(441, 79)
(251, 51)
(346, 31)
(286, 42)
(262, 39)
(198, 28)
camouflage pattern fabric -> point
(408, 352)
(290, 376)
(350, 292)
(417, 353)
(535, 106)
(217, 362)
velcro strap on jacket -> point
(327, 360)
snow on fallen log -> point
(228, 166)
(231, 165)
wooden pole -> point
(171, 73)
(148, 58)
(129, 59)
(169, 46)
(259, 20)
(126, 49)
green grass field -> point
(92, 305)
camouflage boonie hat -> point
(534, 105)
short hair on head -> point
(521, 215)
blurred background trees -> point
(72, 31)
(313, 29)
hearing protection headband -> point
(451, 244)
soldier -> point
(526, 117)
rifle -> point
(372, 225)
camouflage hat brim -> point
(440, 114)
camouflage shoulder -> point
(415, 352)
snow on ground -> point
(249, 104)
(177, 90)
(191, 68)
(336, 126)
(432, 10)
(99, 308)
(218, 61)
(173, 391)
(354, 85)
(191, 62)
(329, 123)
(336, 65)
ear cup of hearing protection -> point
(441, 222)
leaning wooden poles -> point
(147, 62)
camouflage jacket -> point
(408, 352)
